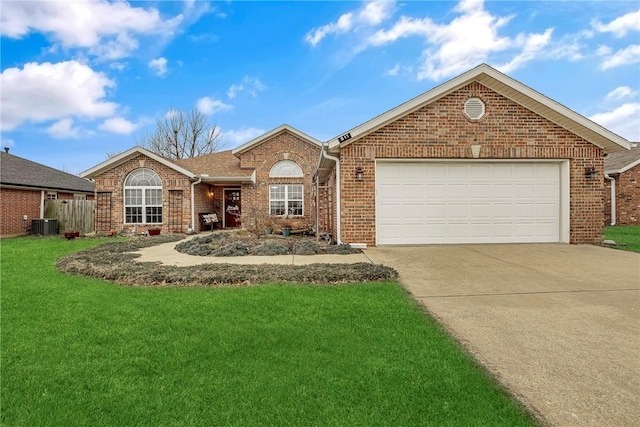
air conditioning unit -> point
(44, 226)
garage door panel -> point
(434, 191)
(420, 203)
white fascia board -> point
(494, 75)
(214, 179)
(130, 153)
(257, 141)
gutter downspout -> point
(613, 198)
(338, 227)
(193, 204)
(41, 203)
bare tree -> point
(180, 135)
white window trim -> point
(286, 169)
(144, 200)
(286, 199)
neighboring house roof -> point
(622, 161)
(129, 154)
(217, 167)
(506, 86)
(262, 138)
(18, 172)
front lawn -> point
(81, 351)
(627, 237)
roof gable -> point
(622, 161)
(509, 88)
(17, 171)
(129, 154)
(262, 138)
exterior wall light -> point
(590, 172)
(359, 173)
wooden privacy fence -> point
(72, 215)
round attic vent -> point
(474, 108)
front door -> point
(232, 208)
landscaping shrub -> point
(271, 248)
(341, 249)
(306, 247)
(232, 249)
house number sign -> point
(344, 137)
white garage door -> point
(458, 202)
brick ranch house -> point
(24, 187)
(622, 187)
(481, 158)
(268, 179)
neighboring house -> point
(622, 187)
(269, 177)
(481, 158)
(24, 187)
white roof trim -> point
(130, 153)
(214, 179)
(506, 86)
(259, 140)
(623, 169)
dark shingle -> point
(15, 170)
(620, 159)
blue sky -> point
(84, 78)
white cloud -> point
(371, 14)
(622, 120)
(235, 137)
(393, 71)
(619, 93)
(234, 89)
(467, 40)
(158, 66)
(119, 66)
(106, 29)
(628, 55)
(118, 125)
(210, 106)
(532, 45)
(251, 85)
(46, 91)
(621, 25)
(64, 129)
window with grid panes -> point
(286, 199)
(143, 197)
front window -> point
(286, 199)
(143, 197)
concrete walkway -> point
(558, 325)
(166, 254)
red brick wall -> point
(441, 130)
(627, 198)
(15, 203)
(255, 197)
(113, 181)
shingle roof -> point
(220, 164)
(622, 160)
(17, 171)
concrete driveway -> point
(558, 325)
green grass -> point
(627, 237)
(79, 351)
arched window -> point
(286, 199)
(286, 169)
(143, 197)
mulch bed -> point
(115, 262)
